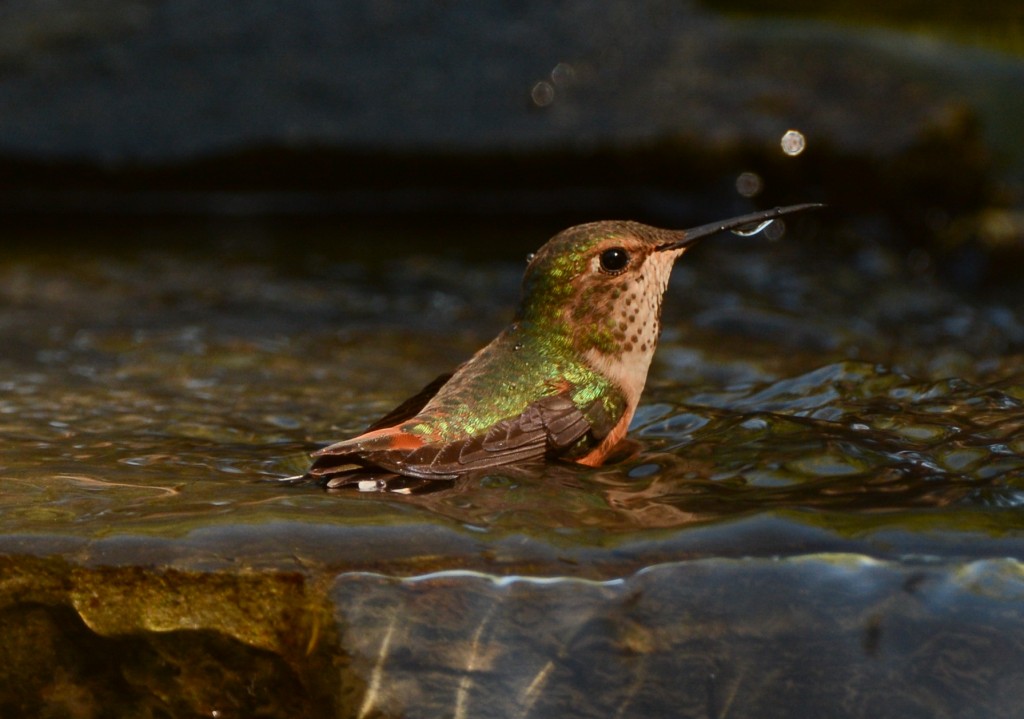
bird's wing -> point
(412, 406)
(342, 457)
(546, 427)
(605, 414)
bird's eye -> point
(614, 260)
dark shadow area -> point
(54, 665)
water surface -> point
(847, 413)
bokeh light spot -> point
(542, 94)
(749, 184)
(793, 143)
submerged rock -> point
(836, 634)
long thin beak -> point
(759, 219)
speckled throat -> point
(624, 318)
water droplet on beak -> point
(751, 230)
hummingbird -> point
(562, 381)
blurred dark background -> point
(274, 112)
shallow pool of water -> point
(843, 430)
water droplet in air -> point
(793, 143)
(775, 230)
(530, 256)
(563, 74)
(749, 184)
(517, 346)
(542, 94)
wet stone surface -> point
(828, 496)
(134, 80)
(693, 639)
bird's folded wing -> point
(412, 406)
(545, 428)
(346, 455)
